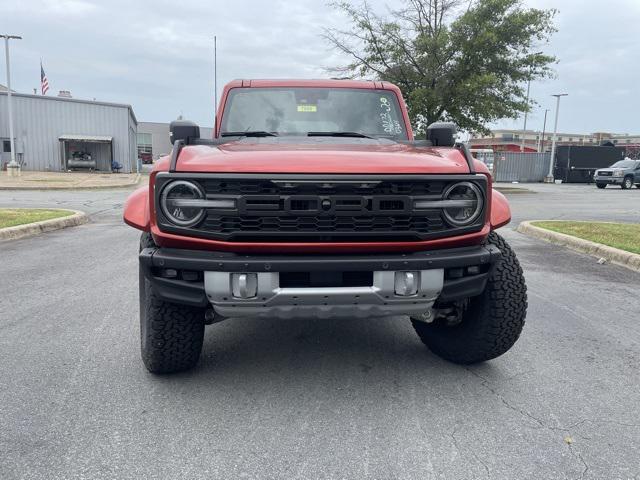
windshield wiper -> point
(249, 133)
(338, 134)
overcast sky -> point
(158, 55)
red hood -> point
(258, 157)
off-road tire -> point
(171, 335)
(601, 185)
(627, 183)
(491, 322)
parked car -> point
(625, 173)
(485, 155)
(145, 157)
(314, 200)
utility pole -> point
(524, 128)
(13, 168)
(549, 177)
(544, 127)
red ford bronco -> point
(314, 199)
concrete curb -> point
(69, 187)
(614, 255)
(36, 228)
(511, 190)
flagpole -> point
(12, 168)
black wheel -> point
(627, 183)
(171, 335)
(601, 185)
(490, 323)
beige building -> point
(511, 140)
(153, 138)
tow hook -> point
(426, 317)
(210, 317)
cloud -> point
(597, 68)
(158, 55)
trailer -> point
(577, 164)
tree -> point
(461, 61)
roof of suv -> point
(332, 83)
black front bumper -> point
(155, 262)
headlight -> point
(181, 203)
(618, 173)
(464, 202)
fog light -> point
(474, 270)
(169, 273)
(406, 283)
(244, 285)
(455, 273)
(190, 275)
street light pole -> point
(544, 127)
(13, 166)
(524, 128)
(549, 177)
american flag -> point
(44, 83)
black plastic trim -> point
(467, 156)
(464, 287)
(192, 293)
(231, 262)
(175, 153)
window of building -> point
(144, 143)
(571, 139)
(559, 139)
(6, 146)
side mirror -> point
(183, 130)
(442, 134)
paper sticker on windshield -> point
(307, 108)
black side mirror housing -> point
(183, 130)
(442, 134)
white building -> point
(50, 133)
(153, 138)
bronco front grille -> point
(234, 186)
(321, 208)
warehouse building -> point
(153, 138)
(61, 134)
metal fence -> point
(520, 167)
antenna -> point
(215, 75)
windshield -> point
(298, 111)
(624, 164)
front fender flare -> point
(500, 210)
(136, 209)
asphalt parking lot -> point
(314, 398)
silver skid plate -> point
(272, 301)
